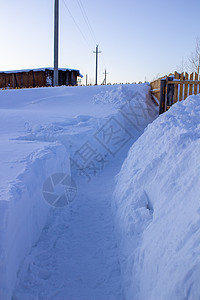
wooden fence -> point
(175, 87)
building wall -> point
(40, 78)
(62, 77)
(5, 80)
(73, 78)
(36, 78)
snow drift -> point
(40, 130)
(23, 212)
(157, 207)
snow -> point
(23, 212)
(135, 237)
(70, 252)
(157, 208)
(40, 69)
(76, 255)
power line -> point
(83, 12)
(77, 25)
(86, 19)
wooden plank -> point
(7, 81)
(33, 79)
(181, 88)
(155, 100)
(176, 76)
(165, 91)
(22, 83)
(191, 85)
(199, 85)
(25, 80)
(155, 84)
(170, 91)
(155, 91)
(155, 87)
(184, 81)
(39, 78)
(186, 86)
(16, 83)
(1, 81)
(4, 80)
(162, 96)
(30, 79)
(13, 80)
(195, 86)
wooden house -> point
(37, 78)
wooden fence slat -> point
(176, 76)
(199, 84)
(186, 86)
(195, 85)
(184, 82)
(162, 96)
(155, 87)
(181, 88)
(191, 85)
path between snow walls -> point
(157, 208)
(66, 252)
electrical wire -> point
(77, 25)
(85, 17)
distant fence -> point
(175, 87)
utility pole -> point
(86, 79)
(56, 29)
(97, 52)
(105, 73)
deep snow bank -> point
(23, 211)
(39, 129)
(157, 208)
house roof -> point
(40, 69)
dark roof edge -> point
(40, 69)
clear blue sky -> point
(138, 39)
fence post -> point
(170, 93)
(162, 95)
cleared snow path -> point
(76, 256)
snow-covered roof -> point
(41, 69)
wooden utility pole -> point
(105, 73)
(56, 32)
(97, 52)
